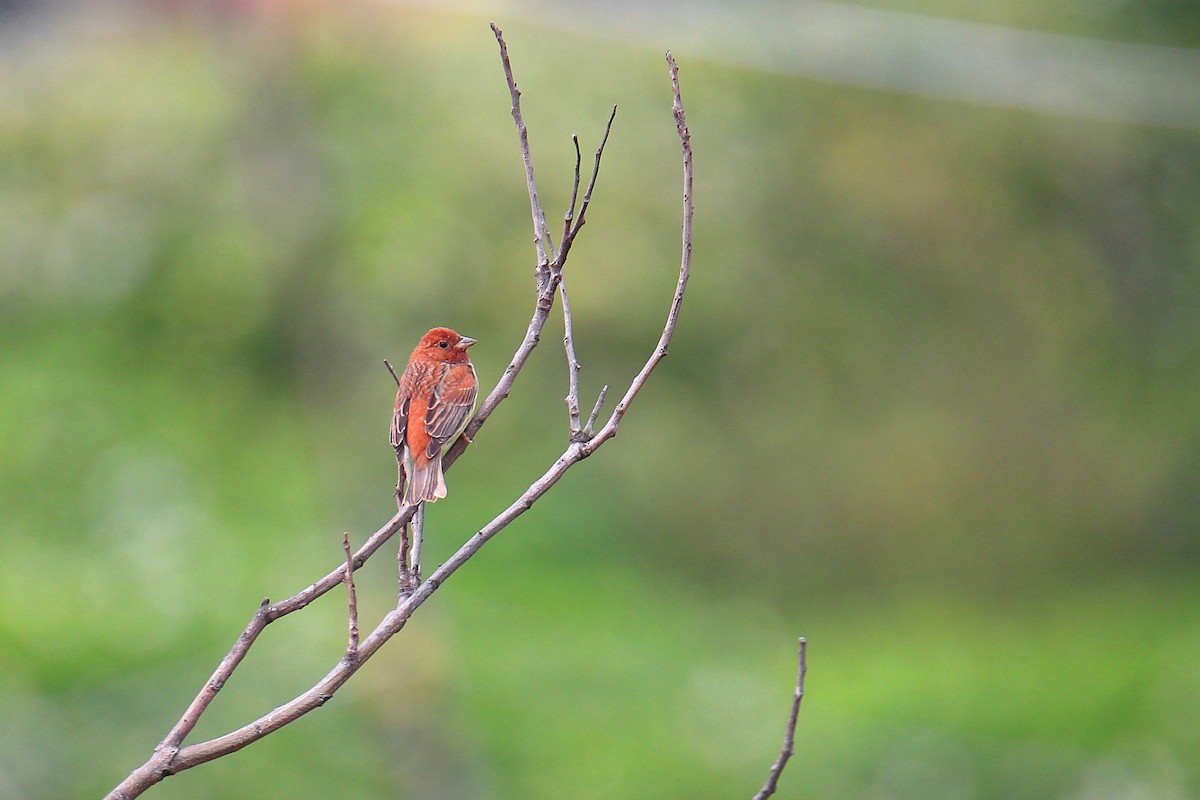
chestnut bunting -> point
(433, 405)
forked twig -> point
(571, 227)
(573, 223)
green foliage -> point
(932, 403)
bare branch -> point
(158, 768)
(533, 334)
(352, 599)
(789, 733)
(685, 270)
(266, 614)
(541, 234)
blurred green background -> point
(932, 404)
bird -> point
(433, 404)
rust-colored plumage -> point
(433, 404)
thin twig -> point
(392, 370)
(590, 427)
(572, 398)
(352, 599)
(541, 234)
(581, 219)
(587, 195)
(571, 226)
(570, 215)
(789, 733)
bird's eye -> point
(443, 344)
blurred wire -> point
(898, 51)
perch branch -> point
(789, 733)
(266, 614)
(392, 623)
(169, 757)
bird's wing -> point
(450, 405)
(410, 381)
(399, 421)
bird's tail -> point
(425, 483)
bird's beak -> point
(464, 343)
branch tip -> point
(789, 733)
(589, 429)
(541, 234)
(392, 370)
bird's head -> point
(443, 344)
